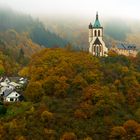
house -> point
(3, 84)
(12, 96)
(6, 89)
(8, 94)
(6, 80)
(97, 45)
(125, 49)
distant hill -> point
(10, 19)
(51, 32)
(11, 42)
(15, 51)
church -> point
(96, 44)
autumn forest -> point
(71, 94)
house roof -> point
(6, 88)
(4, 84)
(126, 46)
(14, 84)
(4, 79)
(14, 79)
(10, 94)
(7, 92)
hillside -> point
(16, 49)
(11, 19)
(76, 30)
(75, 96)
(11, 42)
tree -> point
(3, 110)
(46, 116)
(34, 92)
(2, 69)
(130, 126)
(68, 136)
(24, 72)
(118, 133)
(20, 138)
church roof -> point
(97, 22)
(97, 42)
(126, 46)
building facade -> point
(96, 44)
(125, 49)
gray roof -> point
(7, 92)
(14, 79)
(126, 46)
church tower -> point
(96, 44)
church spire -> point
(96, 15)
(97, 22)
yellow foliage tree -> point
(68, 136)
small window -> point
(11, 99)
(16, 94)
(95, 33)
(98, 32)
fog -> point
(76, 8)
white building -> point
(96, 44)
(125, 49)
(4, 89)
(12, 97)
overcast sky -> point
(81, 8)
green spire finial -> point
(97, 15)
(97, 22)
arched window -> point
(95, 33)
(98, 32)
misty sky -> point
(80, 8)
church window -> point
(99, 49)
(98, 32)
(95, 32)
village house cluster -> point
(11, 88)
